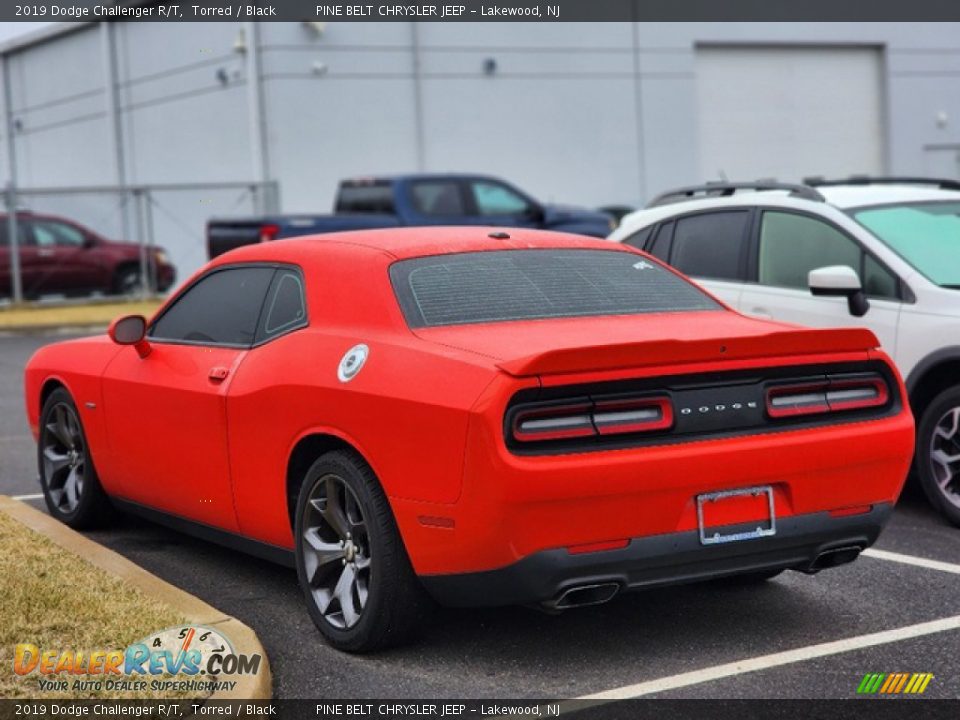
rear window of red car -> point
(509, 285)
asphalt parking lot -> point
(804, 636)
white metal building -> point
(581, 113)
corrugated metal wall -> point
(580, 113)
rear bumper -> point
(652, 561)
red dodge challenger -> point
(479, 417)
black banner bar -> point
(865, 708)
(482, 10)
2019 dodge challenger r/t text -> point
(477, 417)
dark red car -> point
(60, 256)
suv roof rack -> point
(725, 189)
(941, 183)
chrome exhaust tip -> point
(834, 557)
(583, 596)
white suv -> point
(879, 252)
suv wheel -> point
(938, 453)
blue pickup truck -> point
(407, 200)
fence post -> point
(15, 278)
(149, 269)
(141, 238)
(271, 197)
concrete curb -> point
(40, 316)
(244, 639)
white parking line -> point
(765, 662)
(28, 497)
(912, 560)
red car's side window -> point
(221, 308)
(235, 306)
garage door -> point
(788, 112)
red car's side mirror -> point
(131, 330)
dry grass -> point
(56, 600)
(39, 316)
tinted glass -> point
(710, 245)
(52, 234)
(286, 307)
(926, 235)
(221, 309)
(661, 243)
(879, 282)
(374, 198)
(792, 245)
(437, 197)
(496, 199)
(639, 239)
(5, 231)
(506, 285)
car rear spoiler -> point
(679, 352)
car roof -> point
(363, 180)
(411, 242)
(842, 197)
(851, 196)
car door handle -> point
(218, 374)
(43, 252)
(761, 312)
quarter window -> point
(661, 243)
(878, 281)
(639, 238)
(222, 308)
(710, 245)
(286, 307)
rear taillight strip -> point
(556, 423)
(627, 416)
(855, 394)
(614, 417)
(827, 396)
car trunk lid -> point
(575, 345)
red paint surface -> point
(427, 413)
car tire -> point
(68, 478)
(360, 587)
(127, 281)
(938, 438)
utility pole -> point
(14, 240)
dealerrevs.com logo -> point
(191, 658)
(898, 683)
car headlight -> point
(160, 257)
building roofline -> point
(42, 35)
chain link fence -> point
(64, 242)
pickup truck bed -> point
(226, 234)
(412, 200)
